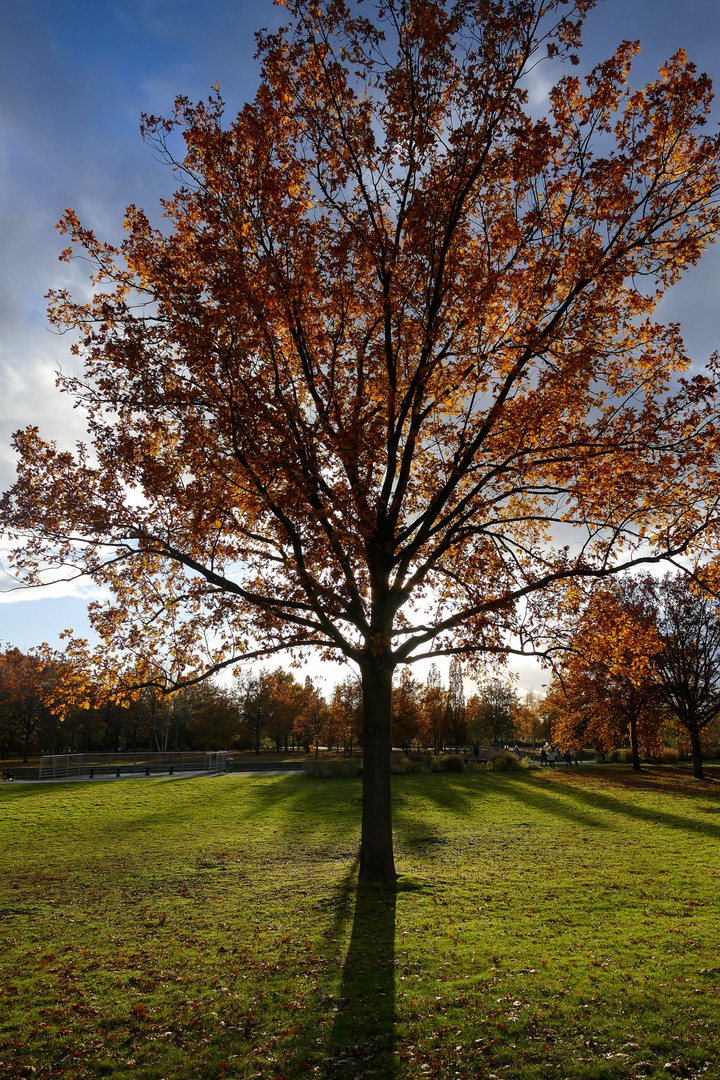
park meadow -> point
(544, 925)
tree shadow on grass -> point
(649, 815)
(313, 798)
(584, 805)
(359, 1035)
(664, 779)
(250, 804)
(19, 790)
(553, 802)
(361, 1041)
(448, 791)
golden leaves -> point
(389, 341)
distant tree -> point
(270, 703)
(587, 705)
(638, 651)
(22, 701)
(346, 712)
(605, 687)
(529, 718)
(33, 688)
(687, 667)
(158, 710)
(286, 701)
(407, 711)
(312, 721)
(253, 701)
(213, 716)
(455, 719)
(491, 718)
(434, 709)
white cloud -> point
(79, 589)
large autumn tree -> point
(391, 351)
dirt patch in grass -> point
(545, 925)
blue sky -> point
(75, 76)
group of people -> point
(550, 755)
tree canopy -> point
(390, 369)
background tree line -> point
(47, 707)
(636, 663)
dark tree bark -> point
(377, 862)
(634, 742)
(696, 755)
(26, 744)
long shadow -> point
(651, 780)
(311, 797)
(584, 801)
(650, 815)
(362, 1037)
(23, 791)
(282, 792)
(457, 797)
(454, 793)
(554, 803)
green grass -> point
(555, 926)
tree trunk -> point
(377, 863)
(696, 755)
(634, 743)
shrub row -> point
(670, 756)
(327, 768)
(501, 762)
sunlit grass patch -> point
(543, 926)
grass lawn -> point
(558, 925)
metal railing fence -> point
(139, 763)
